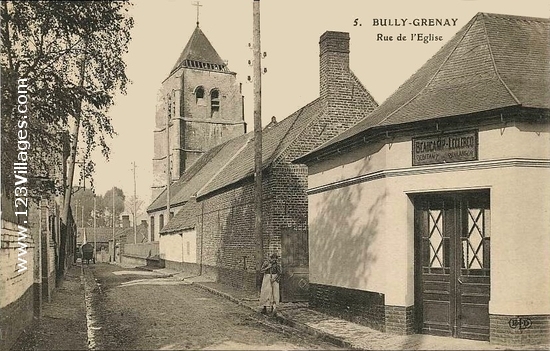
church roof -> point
(275, 140)
(493, 62)
(200, 173)
(233, 160)
(199, 53)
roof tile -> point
(184, 219)
(494, 61)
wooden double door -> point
(295, 264)
(452, 264)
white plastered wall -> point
(358, 242)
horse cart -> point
(88, 253)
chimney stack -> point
(125, 221)
(334, 64)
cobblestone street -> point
(135, 309)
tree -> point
(71, 55)
(108, 205)
(83, 202)
(46, 43)
(129, 205)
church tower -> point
(204, 105)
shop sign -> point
(445, 148)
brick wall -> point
(225, 227)
(225, 233)
(535, 330)
(358, 306)
(345, 98)
(288, 187)
(16, 304)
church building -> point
(199, 105)
(432, 214)
(212, 232)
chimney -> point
(125, 221)
(334, 66)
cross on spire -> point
(197, 4)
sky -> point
(290, 31)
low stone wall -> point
(358, 306)
(133, 261)
(142, 249)
(400, 320)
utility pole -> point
(114, 225)
(135, 201)
(76, 215)
(95, 237)
(83, 229)
(168, 167)
(257, 76)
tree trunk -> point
(70, 173)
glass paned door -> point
(452, 266)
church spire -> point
(200, 54)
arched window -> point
(214, 103)
(199, 95)
(161, 221)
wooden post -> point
(114, 249)
(257, 76)
(95, 236)
(168, 170)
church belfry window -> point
(199, 95)
(214, 103)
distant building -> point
(103, 237)
(431, 215)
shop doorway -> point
(452, 264)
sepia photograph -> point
(275, 175)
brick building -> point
(213, 200)
(203, 102)
(434, 209)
